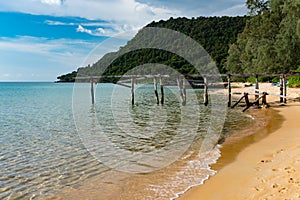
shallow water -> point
(42, 154)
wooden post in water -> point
(247, 99)
(132, 91)
(162, 100)
(179, 83)
(155, 90)
(92, 91)
(205, 92)
(236, 103)
(264, 99)
(229, 89)
(256, 89)
(184, 91)
(248, 104)
(284, 88)
(281, 88)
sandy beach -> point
(265, 165)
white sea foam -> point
(193, 173)
(206, 159)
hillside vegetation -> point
(266, 41)
(214, 34)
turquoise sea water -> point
(42, 154)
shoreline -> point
(238, 140)
(266, 122)
(244, 160)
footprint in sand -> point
(283, 190)
(266, 161)
(279, 151)
(291, 180)
(289, 170)
(258, 189)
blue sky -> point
(41, 39)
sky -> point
(42, 39)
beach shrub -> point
(263, 79)
(251, 79)
(239, 79)
(260, 79)
(275, 79)
(294, 81)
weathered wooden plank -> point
(179, 84)
(229, 90)
(92, 91)
(248, 104)
(155, 90)
(184, 91)
(238, 101)
(281, 88)
(256, 88)
(284, 88)
(264, 99)
(205, 91)
(188, 75)
(162, 100)
(132, 91)
(124, 85)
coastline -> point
(258, 166)
(267, 121)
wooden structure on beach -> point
(182, 83)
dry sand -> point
(268, 167)
(274, 91)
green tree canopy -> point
(270, 41)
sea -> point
(54, 144)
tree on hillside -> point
(256, 7)
(269, 42)
(288, 41)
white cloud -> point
(135, 13)
(108, 31)
(235, 10)
(119, 12)
(123, 15)
(58, 23)
(30, 55)
(69, 52)
(49, 58)
(6, 75)
(52, 2)
(195, 8)
(101, 30)
(83, 30)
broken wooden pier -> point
(182, 80)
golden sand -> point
(265, 165)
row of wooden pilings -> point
(162, 100)
(260, 94)
(181, 83)
(282, 86)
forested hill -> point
(215, 34)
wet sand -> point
(264, 165)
